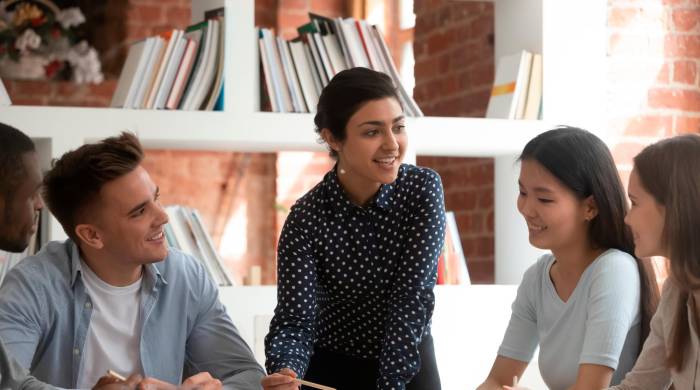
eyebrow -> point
(379, 123)
(538, 189)
(142, 204)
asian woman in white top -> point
(587, 303)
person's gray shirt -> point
(45, 314)
(13, 376)
(599, 324)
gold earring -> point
(342, 171)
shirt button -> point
(88, 305)
(76, 351)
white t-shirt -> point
(112, 340)
(599, 323)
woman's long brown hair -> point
(670, 171)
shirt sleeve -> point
(14, 376)
(22, 303)
(412, 300)
(521, 337)
(650, 371)
(613, 308)
(214, 344)
(289, 342)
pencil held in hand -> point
(116, 375)
(314, 385)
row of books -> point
(517, 87)
(186, 232)
(179, 69)
(452, 265)
(296, 71)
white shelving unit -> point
(570, 34)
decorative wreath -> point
(38, 40)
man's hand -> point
(201, 381)
(284, 379)
(111, 383)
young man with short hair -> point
(113, 296)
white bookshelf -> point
(569, 33)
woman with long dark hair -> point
(664, 189)
(357, 257)
(587, 303)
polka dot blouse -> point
(359, 280)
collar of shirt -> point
(337, 200)
(152, 275)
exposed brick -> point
(685, 20)
(145, 14)
(481, 272)
(686, 124)
(675, 99)
(178, 16)
(682, 46)
(439, 42)
(685, 72)
(330, 8)
(648, 125)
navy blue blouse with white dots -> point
(359, 280)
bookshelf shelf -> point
(571, 36)
(257, 132)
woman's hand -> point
(284, 379)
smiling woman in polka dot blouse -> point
(358, 254)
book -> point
(306, 78)
(132, 69)
(323, 48)
(272, 92)
(534, 90)
(197, 31)
(409, 104)
(155, 47)
(291, 73)
(510, 85)
(170, 72)
(4, 96)
(185, 231)
(204, 79)
(215, 90)
(452, 265)
(183, 71)
(171, 37)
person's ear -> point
(90, 235)
(329, 139)
(590, 208)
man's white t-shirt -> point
(112, 340)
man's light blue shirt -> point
(45, 315)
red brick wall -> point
(454, 72)
(654, 56)
(60, 93)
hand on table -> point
(284, 379)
